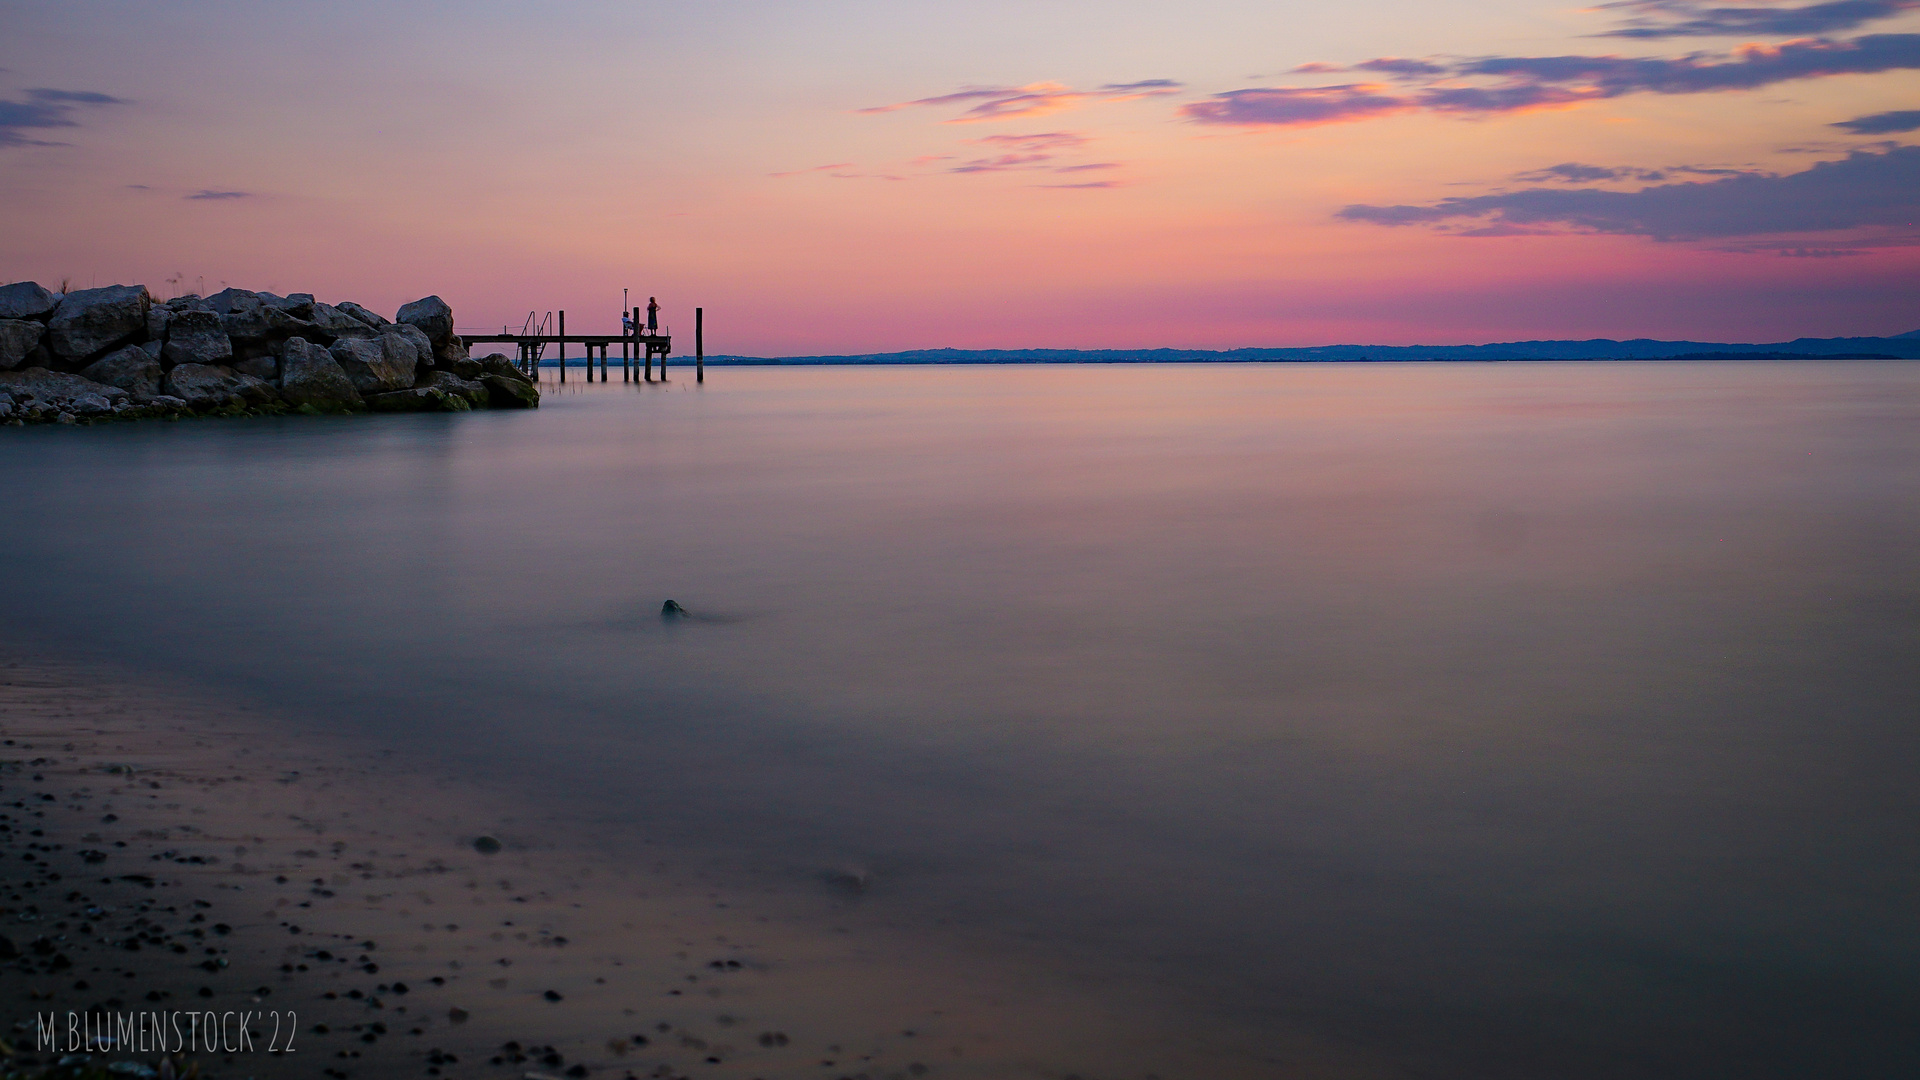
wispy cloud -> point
(1684, 18)
(1035, 99)
(1298, 106)
(1886, 123)
(1029, 152)
(816, 168)
(45, 108)
(1505, 84)
(1573, 172)
(1863, 189)
(220, 195)
(1094, 185)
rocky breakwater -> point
(117, 353)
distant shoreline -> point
(1901, 347)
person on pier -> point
(653, 315)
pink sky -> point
(857, 177)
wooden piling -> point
(699, 345)
(563, 346)
(644, 346)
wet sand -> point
(167, 850)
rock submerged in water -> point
(117, 353)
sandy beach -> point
(180, 856)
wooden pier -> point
(637, 349)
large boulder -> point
(377, 366)
(130, 369)
(431, 315)
(18, 339)
(506, 393)
(300, 305)
(26, 300)
(158, 316)
(371, 318)
(203, 386)
(91, 321)
(310, 376)
(257, 323)
(451, 355)
(448, 383)
(55, 388)
(266, 367)
(197, 337)
(227, 300)
(332, 324)
(412, 335)
(498, 364)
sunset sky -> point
(842, 176)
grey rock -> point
(431, 315)
(54, 388)
(452, 356)
(333, 324)
(90, 405)
(166, 402)
(91, 321)
(418, 399)
(265, 367)
(422, 348)
(130, 369)
(449, 383)
(227, 300)
(376, 366)
(371, 318)
(158, 316)
(505, 393)
(18, 339)
(300, 305)
(498, 364)
(153, 348)
(309, 375)
(202, 386)
(197, 337)
(254, 390)
(26, 300)
(256, 325)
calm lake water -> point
(1504, 720)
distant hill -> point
(1904, 346)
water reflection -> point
(1498, 720)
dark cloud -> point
(1521, 83)
(1400, 67)
(1297, 107)
(1090, 167)
(1680, 18)
(1861, 190)
(1746, 68)
(1573, 172)
(1886, 123)
(213, 195)
(45, 108)
(74, 97)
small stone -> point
(487, 845)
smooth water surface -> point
(1507, 720)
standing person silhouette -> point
(653, 315)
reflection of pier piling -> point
(637, 349)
